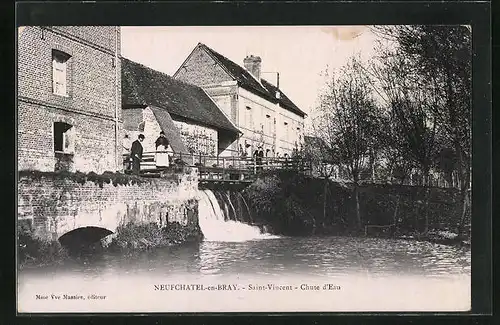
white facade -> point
(267, 124)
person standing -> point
(259, 154)
(126, 151)
(162, 155)
(136, 153)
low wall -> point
(54, 204)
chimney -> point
(252, 64)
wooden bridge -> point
(216, 171)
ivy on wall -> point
(199, 140)
(107, 177)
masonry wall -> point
(93, 84)
(56, 206)
(151, 131)
(225, 96)
(201, 70)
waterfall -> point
(217, 225)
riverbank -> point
(296, 205)
(128, 239)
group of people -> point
(163, 153)
(258, 156)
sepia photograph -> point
(211, 169)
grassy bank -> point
(143, 237)
(291, 204)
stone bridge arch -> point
(107, 217)
(83, 236)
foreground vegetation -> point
(292, 204)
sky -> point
(299, 53)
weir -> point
(225, 216)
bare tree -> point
(348, 120)
(410, 103)
(442, 56)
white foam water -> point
(215, 228)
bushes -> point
(36, 252)
(147, 236)
(293, 204)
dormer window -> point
(59, 73)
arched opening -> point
(84, 240)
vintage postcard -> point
(244, 168)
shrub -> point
(108, 177)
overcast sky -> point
(298, 53)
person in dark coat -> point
(136, 153)
(259, 154)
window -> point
(286, 130)
(269, 124)
(248, 118)
(59, 72)
(63, 138)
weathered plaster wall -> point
(198, 139)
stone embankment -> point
(139, 213)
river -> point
(395, 274)
(236, 268)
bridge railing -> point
(223, 164)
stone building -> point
(152, 102)
(261, 110)
(68, 98)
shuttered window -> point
(60, 73)
(64, 138)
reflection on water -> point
(327, 256)
(410, 276)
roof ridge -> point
(279, 100)
(211, 52)
(152, 87)
(164, 73)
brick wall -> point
(200, 69)
(93, 94)
(57, 206)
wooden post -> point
(223, 167)
(200, 158)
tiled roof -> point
(132, 117)
(247, 81)
(144, 86)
